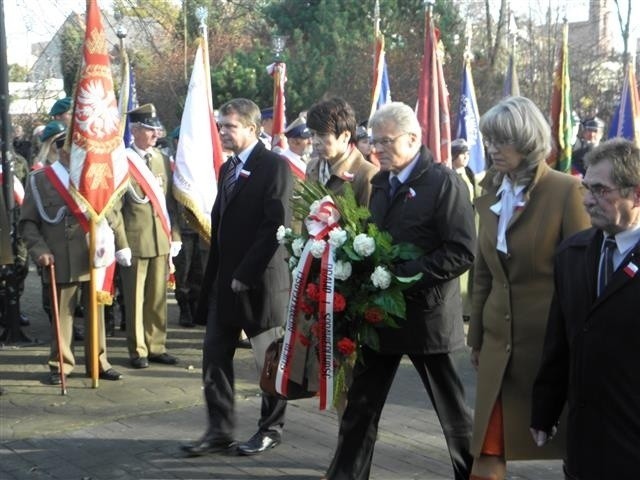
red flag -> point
(99, 167)
(278, 71)
(433, 98)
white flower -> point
(337, 237)
(364, 245)
(317, 248)
(314, 207)
(293, 263)
(282, 234)
(342, 270)
(381, 278)
(297, 245)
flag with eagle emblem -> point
(98, 164)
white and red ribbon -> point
(18, 189)
(318, 225)
(151, 188)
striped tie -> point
(606, 263)
(229, 180)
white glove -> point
(175, 248)
(123, 257)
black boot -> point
(109, 321)
(185, 320)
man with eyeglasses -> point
(336, 161)
(427, 204)
(590, 357)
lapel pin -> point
(631, 269)
(244, 173)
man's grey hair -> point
(399, 114)
(625, 162)
(247, 111)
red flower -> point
(373, 315)
(339, 302)
(313, 292)
(307, 308)
(346, 346)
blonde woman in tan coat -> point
(527, 209)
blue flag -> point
(469, 121)
(626, 119)
(385, 89)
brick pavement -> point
(132, 429)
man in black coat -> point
(427, 204)
(590, 356)
(246, 281)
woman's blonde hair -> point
(517, 121)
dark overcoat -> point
(590, 361)
(244, 246)
(432, 210)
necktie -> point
(147, 158)
(606, 263)
(324, 173)
(229, 180)
(395, 184)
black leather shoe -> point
(163, 358)
(244, 343)
(207, 446)
(111, 374)
(54, 378)
(260, 442)
(140, 362)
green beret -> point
(52, 129)
(61, 106)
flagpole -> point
(93, 305)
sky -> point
(31, 21)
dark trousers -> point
(367, 395)
(190, 265)
(219, 391)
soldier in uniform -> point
(62, 111)
(54, 236)
(591, 132)
(146, 238)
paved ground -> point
(132, 429)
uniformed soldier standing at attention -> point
(145, 239)
(54, 236)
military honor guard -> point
(146, 240)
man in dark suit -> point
(427, 204)
(246, 282)
(590, 356)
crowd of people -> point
(543, 265)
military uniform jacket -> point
(244, 246)
(351, 168)
(590, 359)
(138, 225)
(59, 233)
(431, 210)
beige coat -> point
(511, 299)
(353, 168)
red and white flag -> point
(199, 153)
(98, 164)
(433, 98)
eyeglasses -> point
(598, 190)
(496, 143)
(386, 141)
